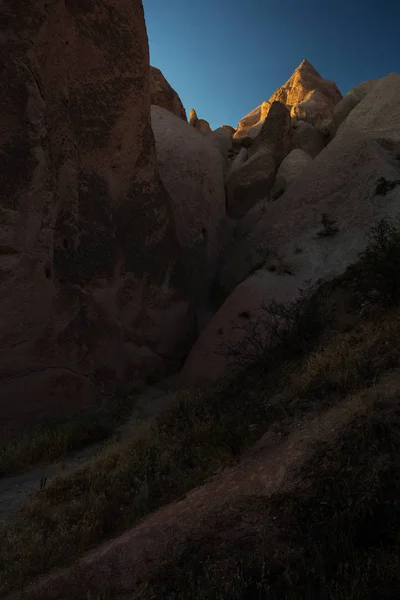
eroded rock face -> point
(377, 115)
(193, 118)
(290, 169)
(221, 138)
(90, 280)
(249, 182)
(340, 182)
(280, 251)
(250, 125)
(308, 96)
(192, 171)
(162, 94)
(308, 138)
(275, 134)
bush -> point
(329, 226)
(376, 275)
(283, 331)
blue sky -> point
(224, 57)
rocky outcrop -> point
(250, 182)
(346, 104)
(203, 126)
(250, 125)
(282, 250)
(275, 134)
(308, 138)
(340, 182)
(290, 169)
(237, 161)
(91, 292)
(162, 94)
(307, 95)
(193, 118)
(221, 138)
(199, 124)
(377, 115)
(229, 128)
(191, 170)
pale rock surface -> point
(348, 102)
(229, 128)
(307, 95)
(191, 170)
(199, 124)
(249, 126)
(203, 126)
(275, 134)
(193, 118)
(290, 169)
(162, 94)
(237, 162)
(222, 139)
(377, 115)
(308, 138)
(253, 179)
(250, 182)
(340, 182)
(91, 283)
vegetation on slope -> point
(308, 370)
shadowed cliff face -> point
(91, 292)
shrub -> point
(282, 331)
(376, 275)
(329, 226)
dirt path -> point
(15, 489)
(268, 468)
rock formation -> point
(92, 291)
(377, 115)
(290, 169)
(162, 94)
(275, 133)
(253, 179)
(250, 125)
(308, 138)
(250, 182)
(199, 124)
(307, 96)
(280, 249)
(191, 170)
(193, 118)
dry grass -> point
(335, 536)
(54, 440)
(196, 436)
(353, 359)
(200, 434)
